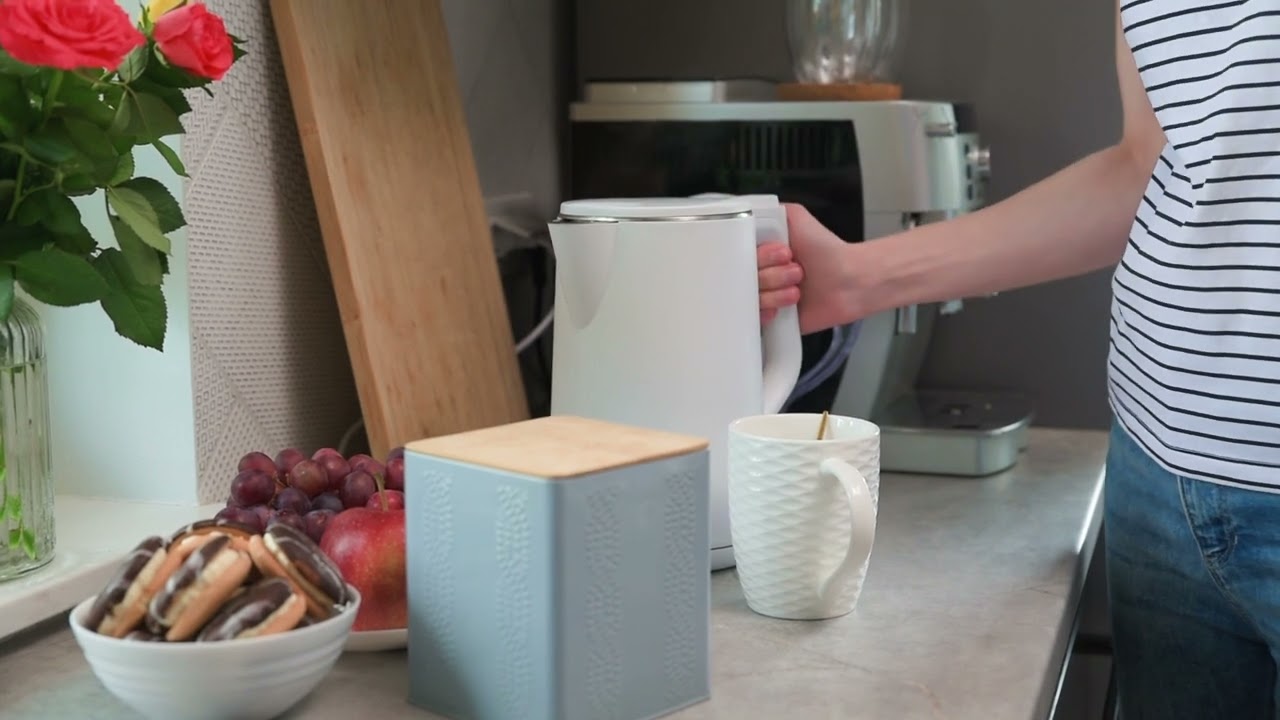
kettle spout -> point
(584, 258)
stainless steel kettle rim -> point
(653, 209)
(668, 218)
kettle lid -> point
(653, 209)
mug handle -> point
(862, 531)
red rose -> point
(67, 34)
(195, 40)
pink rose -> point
(67, 34)
(195, 40)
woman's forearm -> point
(1070, 223)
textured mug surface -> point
(802, 511)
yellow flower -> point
(160, 7)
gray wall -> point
(511, 62)
(1040, 73)
(506, 57)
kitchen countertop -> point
(967, 612)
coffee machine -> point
(865, 170)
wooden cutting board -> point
(408, 244)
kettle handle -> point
(780, 341)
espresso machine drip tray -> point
(952, 432)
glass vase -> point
(26, 482)
(844, 41)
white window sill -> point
(93, 536)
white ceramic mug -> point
(803, 511)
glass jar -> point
(844, 41)
(26, 481)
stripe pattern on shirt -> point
(1194, 367)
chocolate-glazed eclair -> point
(265, 608)
(122, 604)
(193, 594)
(177, 553)
(141, 635)
(284, 552)
(239, 534)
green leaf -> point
(79, 96)
(124, 169)
(158, 119)
(134, 63)
(29, 213)
(13, 508)
(15, 536)
(168, 212)
(58, 213)
(145, 117)
(170, 156)
(56, 277)
(50, 145)
(28, 542)
(142, 259)
(9, 66)
(91, 140)
(6, 292)
(123, 118)
(78, 241)
(78, 184)
(61, 217)
(17, 116)
(16, 241)
(173, 97)
(137, 311)
(7, 186)
(133, 208)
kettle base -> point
(722, 558)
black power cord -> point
(542, 256)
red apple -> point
(394, 498)
(367, 545)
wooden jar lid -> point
(558, 447)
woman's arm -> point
(1070, 223)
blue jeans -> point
(1194, 576)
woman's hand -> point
(811, 272)
(780, 278)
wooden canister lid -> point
(558, 447)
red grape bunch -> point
(307, 492)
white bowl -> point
(250, 679)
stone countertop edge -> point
(1056, 673)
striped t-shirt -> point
(1195, 326)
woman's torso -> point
(1195, 332)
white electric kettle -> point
(657, 322)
